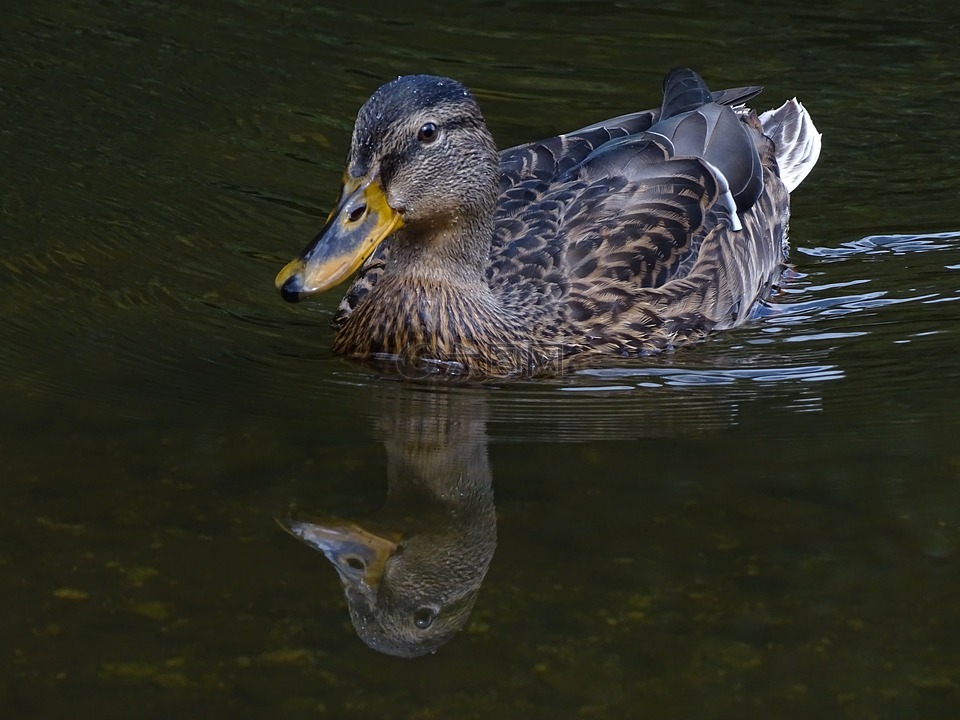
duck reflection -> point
(411, 573)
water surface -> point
(766, 524)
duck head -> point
(421, 161)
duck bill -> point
(361, 220)
(359, 555)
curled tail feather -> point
(796, 139)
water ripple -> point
(878, 244)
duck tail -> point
(796, 139)
(683, 90)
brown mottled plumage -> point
(618, 240)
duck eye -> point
(428, 133)
(424, 617)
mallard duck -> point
(621, 239)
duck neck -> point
(452, 252)
(433, 301)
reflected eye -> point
(424, 617)
(355, 563)
(428, 133)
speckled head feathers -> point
(424, 139)
(396, 111)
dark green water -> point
(765, 525)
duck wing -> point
(631, 215)
(549, 158)
(640, 241)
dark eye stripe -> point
(428, 132)
(390, 162)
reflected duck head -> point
(406, 596)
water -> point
(766, 524)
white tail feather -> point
(796, 139)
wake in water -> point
(817, 306)
(875, 247)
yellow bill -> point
(359, 555)
(361, 220)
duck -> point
(623, 239)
